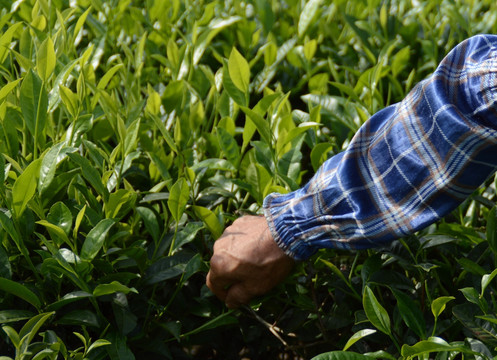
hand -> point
(247, 262)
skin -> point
(246, 262)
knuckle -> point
(216, 263)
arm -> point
(409, 165)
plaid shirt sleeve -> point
(408, 165)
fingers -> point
(233, 295)
(237, 295)
(219, 278)
(217, 285)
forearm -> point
(408, 166)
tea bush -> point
(133, 132)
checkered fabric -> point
(408, 165)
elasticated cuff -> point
(281, 228)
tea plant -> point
(133, 132)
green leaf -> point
(293, 133)
(68, 299)
(25, 187)
(492, 229)
(426, 266)
(208, 35)
(118, 349)
(54, 96)
(270, 53)
(5, 267)
(260, 123)
(45, 59)
(165, 268)
(210, 220)
(411, 313)
(173, 95)
(7, 316)
(266, 14)
(165, 133)
(8, 226)
(233, 91)
(153, 102)
(341, 355)
(229, 146)
(113, 287)
(61, 216)
(376, 314)
(400, 60)
(13, 336)
(80, 22)
(489, 318)
(172, 52)
(337, 107)
(7, 89)
(214, 164)
(104, 81)
(358, 336)
(178, 198)
(467, 315)
(120, 203)
(80, 318)
(363, 36)
(95, 239)
(30, 329)
(265, 103)
(438, 305)
(348, 90)
(239, 70)
(471, 266)
(150, 220)
(471, 295)
(79, 219)
(370, 267)
(52, 158)
(99, 343)
(58, 265)
(433, 344)
(44, 354)
(70, 100)
(319, 154)
(131, 137)
(263, 78)
(90, 174)
(310, 48)
(193, 266)
(173, 327)
(261, 108)
(307, 15)
(335, 270)
(248, 132)
(186, 235)
(223, 319)
(6, 39)
(485, 281)
(57, 234)
(75, 131)
(34, 104)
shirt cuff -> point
(278, 214)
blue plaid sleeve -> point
(408, 165)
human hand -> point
(247, 262)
